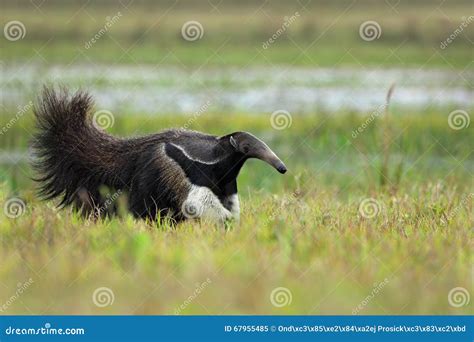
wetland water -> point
(168, 89)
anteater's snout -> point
(281, 168)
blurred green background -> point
(325, 34)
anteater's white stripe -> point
(181, 148)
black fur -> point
(75, 159)
(219, 177)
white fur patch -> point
(235, 206)
(201, 202)
(211, 162)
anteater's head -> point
(249, 146)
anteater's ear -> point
(233, 142)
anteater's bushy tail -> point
(73, 157)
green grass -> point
(324, 54)
(320, 144)
(302, 230)
(322, 35)
(316, 245)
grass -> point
(304, 231)
(379, 223)
(321, 55)
(322, 35)
(316, 245)
(320, 144)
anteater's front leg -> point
(201, 202)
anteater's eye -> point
(245, 148)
